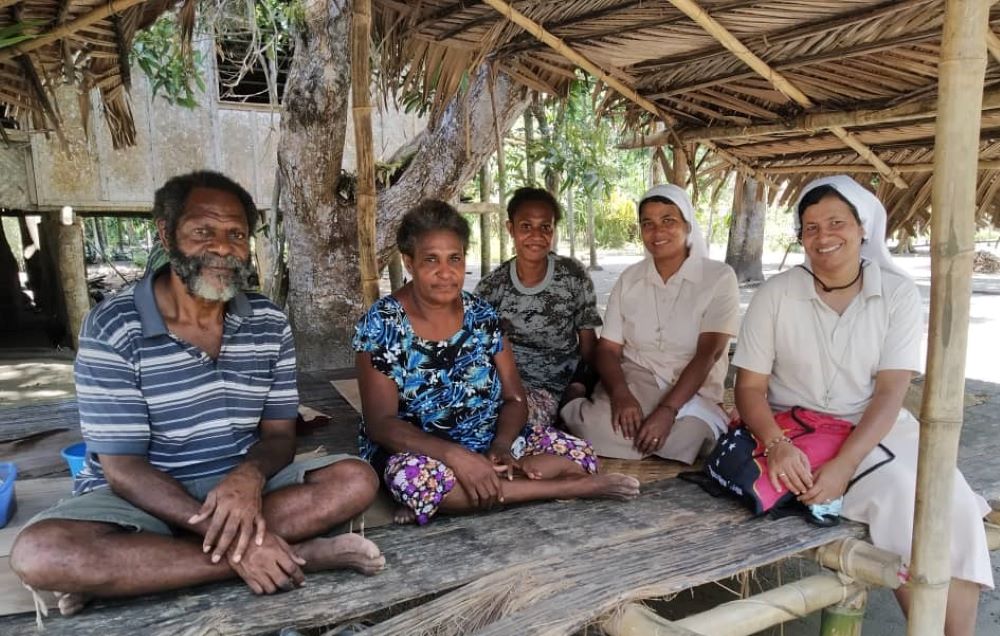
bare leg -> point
(610, 486)
(330, 495)
(963, 605)
(552, 466)
(98, 559)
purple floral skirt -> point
(420, 482)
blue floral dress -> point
(450, 389)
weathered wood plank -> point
(562, 594)
(452, 552)
(421, 561)
(442, 556)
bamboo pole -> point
(809, 122)
(993, 44)
(780, 82)
(540, 33)
(743, 616)
(844, 619)
(862, 561)
(960, 90)
(101, 12)
(361, 21)
(986, 164)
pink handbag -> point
(738, 464)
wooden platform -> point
(540, 569)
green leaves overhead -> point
(172, 75)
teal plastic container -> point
(8, 498)
(75, 456)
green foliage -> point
(172, 75)
(15, 33)
(614, 221)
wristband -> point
(784, 439)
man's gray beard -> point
(190, 270)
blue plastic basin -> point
(8, 499)
(75, 456)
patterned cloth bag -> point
(738, 464)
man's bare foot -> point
(614, 486)
(70, 603)
(404, 515)
(344, 551)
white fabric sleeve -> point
(613, 319)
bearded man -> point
(187, 396)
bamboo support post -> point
(844, 619)
(992, 536)
(361, 109)
(862, 561)
(960, 90)
(779, 81)
(744, 616)
(101, 12)
(540, 33)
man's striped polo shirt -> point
(144, 391)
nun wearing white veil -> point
(841, 335)
(662, 352)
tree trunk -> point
(102, 237)
(502, 190)
(324, 296)
(592, 235)
(395, 266)
(72, 276)
(905, 245)
(484, 222)
(571, 222)
(551, 175)
(529, 150)
(745, 250)
(679, 172)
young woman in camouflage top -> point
(547, 306)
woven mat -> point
(646, 470)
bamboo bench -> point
(545, 568)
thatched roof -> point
(841, 78)
(83, 42)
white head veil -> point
(695, 241)
(870, 211)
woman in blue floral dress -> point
(444, 409)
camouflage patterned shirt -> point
(542, 322)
